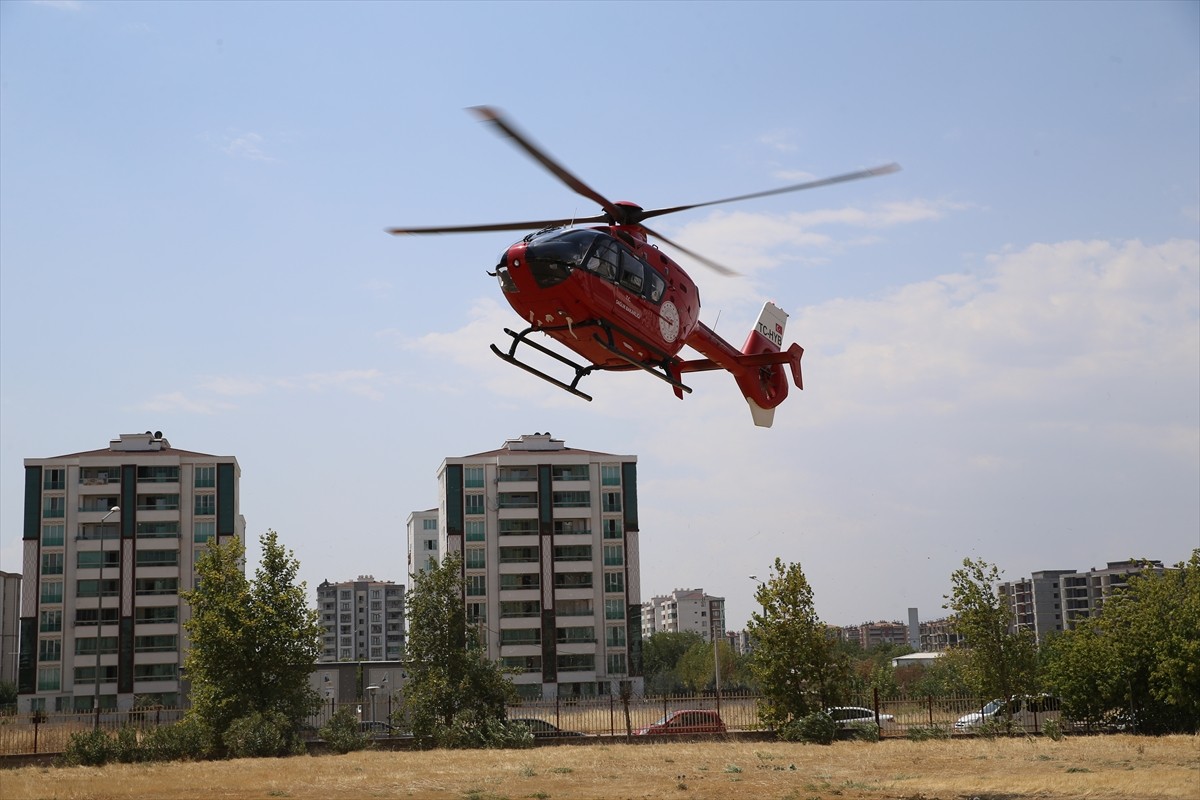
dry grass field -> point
(1080, 767)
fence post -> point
(612, 718)
(930, 699)
(875, 698)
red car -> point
(681, 722)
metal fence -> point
(599, 716)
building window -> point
(520, 608)
(144, 586)
(87, 647)
(573, 552)
(153, 614)
(473, 504)
(526, 580)
(154, 672)
(476, 613)
(52, 591)
(614, 636)
(473, 477)
(572, 662)
(158, 502)
(518, 527)
(614, 582)
(612, 529)
(476, 558)
(572, 580)
(158, 558)
(51, 622)
(517, 500)
(574, 608)
(206, 477)
(54, 507)
(206, 505)
(516, 474)
(569, 472)
(93, 559)
(475, 530)
(158, 474)
(572, 499)
(203, 531)
(616, 664)
(611, 502)
(52, 535)
(520, 636)
(518, 555)
(610, 475)
(157, 530)
(52, 563)
(614, 555)
(476, 586)
(105, 588)
(614, 609)
(580, 633)
(49, 679)
(54, 478)
(429, 524)
(50, 650)
(523, 663)
(431, 544)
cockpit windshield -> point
(552, 256)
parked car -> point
(542, 729)
(684, 722)
(848, 717)
(1028, 712)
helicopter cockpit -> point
(552, 256)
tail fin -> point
(766, 386)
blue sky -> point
(1002, 340)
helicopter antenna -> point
(717, 321)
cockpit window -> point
(604, 259)
(632, 272)
(552, 256)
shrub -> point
(921, 733)
(89, 749)
(489, 733)
(260, 735)
(862, 732)
(815, 728)
(1053, 730)
(126, 747)
(341, 733)
(187, 740)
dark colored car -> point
(685, 722)
(542, 729)
(848, 717)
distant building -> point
(10, 616)
(363, 620)
(740, 641)
(939, 634)
(684, 610)
(871, 634)
(423, 545)
(111, 538)
(549, 540)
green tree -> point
(661, 654)
(253, 643)
(999, 662)
(455, 696)
(1139, 658)
(795, 661)
(695, 667)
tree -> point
(661, 654)
(695, 667)
(1137, 660)
(1000, 662)
(455, 696)
(796, 662)
(253, 643)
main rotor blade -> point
(533, 225)
(492, 115)
(849, 176)
(708, 262)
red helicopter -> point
(620, 303)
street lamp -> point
(100, 612)
(372, 689)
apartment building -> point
(10, 617)
(363, 620)
(872, 634)
(684, 610)
(1054, 600)
(423, 545)
(111, 538)
(549, 539)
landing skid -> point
(661, 371)
(520, 338)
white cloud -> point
(248, 145)
(63, 5)
(171, 402)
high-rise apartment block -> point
(549, 540)
(363, 620)
(685, 610)
(423, 543)
(111, 538)
(1055, 600)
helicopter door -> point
(604, 262)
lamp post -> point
(100, 612)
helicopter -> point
(619, 302)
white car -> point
(1028, 713)
(847, 717)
